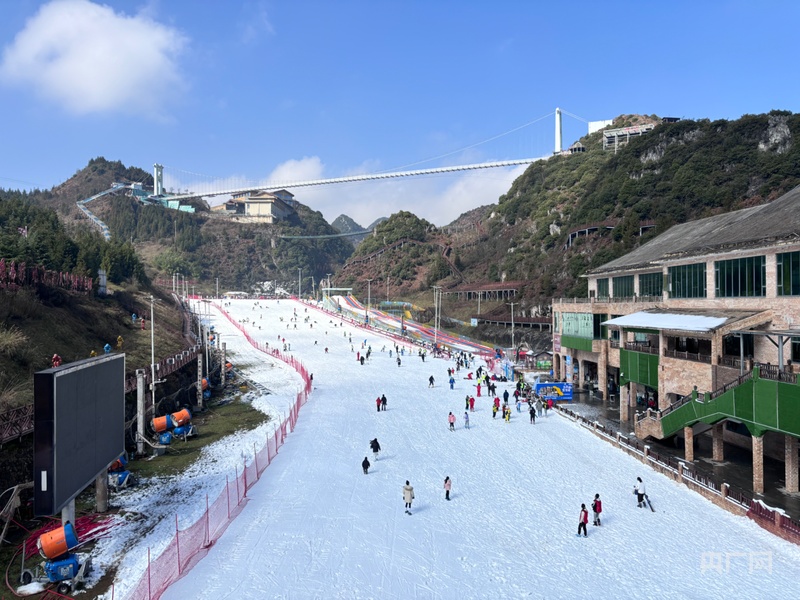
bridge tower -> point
(558, 132)
(158, 179)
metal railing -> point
(641, 347)
(693, 356)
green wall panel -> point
(766, 404)
(576, 343)
(639, 367)
(789, 407)
(743, 401)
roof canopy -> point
(673, 321)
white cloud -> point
(90, 59)
(256, 22)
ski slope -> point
(316, 527)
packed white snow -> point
(316, 527)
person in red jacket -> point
(597, 508)
(471, 404)
(582, 520)
(378, 403)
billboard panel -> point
(79, 427)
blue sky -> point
(234, 92)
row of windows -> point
(734, 278)
(789, 274)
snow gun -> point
(60, 565)
(176, 424)
(119, 476)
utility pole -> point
(437, 313)
(369, 299)
(329, 283)
(513, 345)
(217, 287)
(152, 355)
(299, 283)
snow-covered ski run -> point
(316, 527)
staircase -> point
(763, 399)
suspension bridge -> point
(218, 187)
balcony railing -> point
(729, 361)
(693, 356)
(641, 347)
(609, 300)
(613, 343)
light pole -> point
(513, 345)
(152, 355)
(329, 283)
(369, 299)
(437, 313)
(217, 287)
(299, 283)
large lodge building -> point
(701, 325)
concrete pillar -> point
(791, 464)
(68, 513)
(758, 464)
(101, 492)
(581, 373)
(688, 444)
(200, 380)
(140, 411)
(602, 372)
(222, 366)
(624, 402)
(724, 490)
(717, 450)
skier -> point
(452, 382)
(408, 496)
(519, 405)
(466, 402)
(479, 390)
(582, 520)
(505, 396)
(365, 465)
(447, 485)
(472, 404)
(430, 381)
(532, 412)
(376, 447)
(466, 420)
(539, 406)
(383, 402)
(597, 508)
(362, 361)
(378, 403)
(451, 418)
(639, 490)
(398, 361)
(494, 410)
(508, 414)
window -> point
(740, 277)
(789, 274)
(651, 284)
(578, 324)
(602, 288)
(598, 330)
(687, 281)
(732, 346)
(623, 286)
(795, 349)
